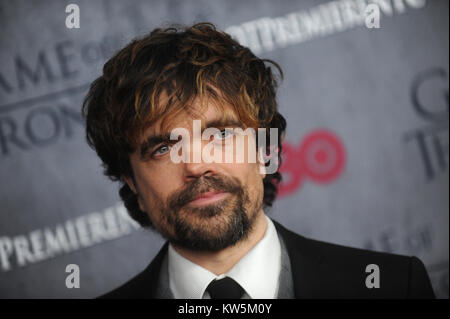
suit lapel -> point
(312, 277)
(151, 275)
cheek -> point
(257, 182)
(154, 187)
(250, 178)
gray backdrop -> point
(367, 141)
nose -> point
(196, 170)
(196, 167)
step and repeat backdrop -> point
(365, 95)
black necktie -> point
(225, 288)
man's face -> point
(198, 206)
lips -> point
(208, 198)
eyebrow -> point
(153, 140)
(222, 123)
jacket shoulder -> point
(144, 284)
(350, 272)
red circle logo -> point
(319, 157)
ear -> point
(131, 184)
(261, 163)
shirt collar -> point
(257, 272)
(187, 280)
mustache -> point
(202, 185)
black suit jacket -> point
(319, 270)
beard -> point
(211, 227)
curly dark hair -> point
(183, 63)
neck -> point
(222, 261)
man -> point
(146, 118)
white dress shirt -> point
(257, 272)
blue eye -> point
(223, 134)
(163, 149)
